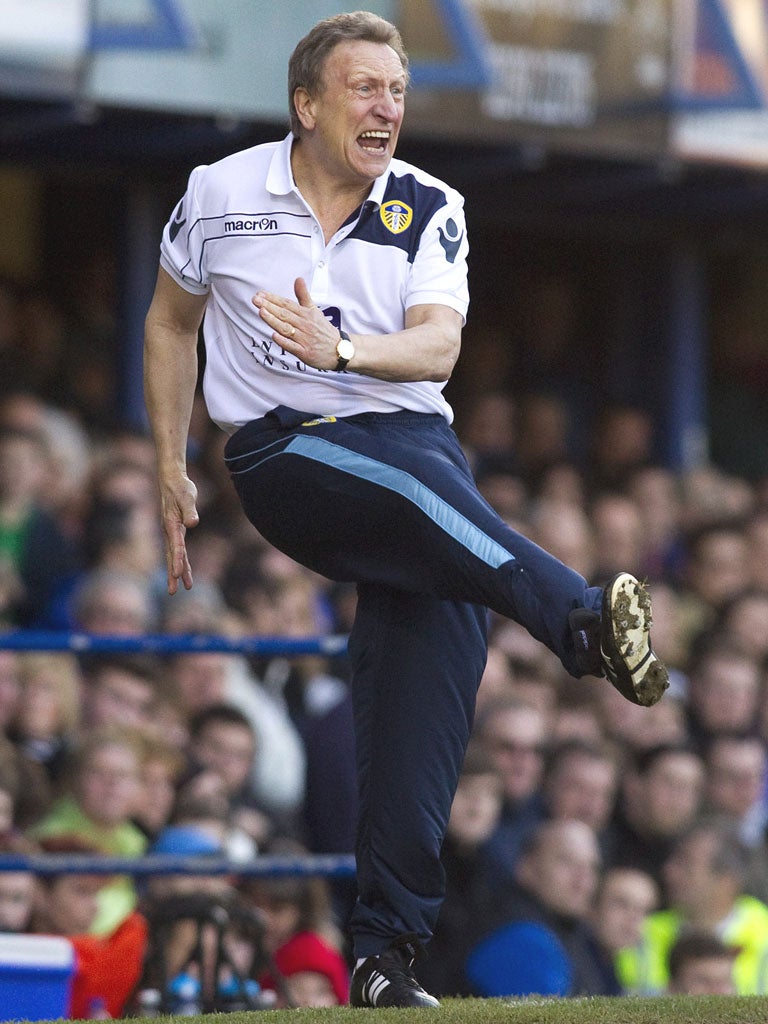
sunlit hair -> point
(61, 669)
(307, 62)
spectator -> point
(120, 690)
(704, 878)
(661, 795)
(314, 972)
(489, 429)
(544, 431)
(197, 831)
(736, 774)
(744, 621)
(300, 928)
(622, 441)
(202, 679)
(48, 716)
(514, 735)
(664, 723)
(724, 688)
(100, 797)
(292, 904)
(203, 802)
(657, 494)
(30, 539)
(618, 534)
(566, 531)
(107, 967)
(26, 792)
(581, 783)
(222, 741)
(112, 601)
(540, 942)
(701, 964)
(625, 897)
(162, 768)
(716, 568)
(18, 889)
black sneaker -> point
(387, 980)
(625, 641)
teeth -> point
(374, 135)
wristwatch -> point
(344, 350)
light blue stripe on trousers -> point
(432, 505)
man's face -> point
(688, 873)
(736, 775)
(515, 740)
(626, 898)
(228, 750)
(584, 790)
(475, 810)
(110, 785)
(120, 698)
(71, 903)
(563, 871)
(356, 116)
(672, 793)
(707, 976)
(309, 988)
(17, 893)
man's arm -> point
(426, 350)
(170, 378)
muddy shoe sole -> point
(625, 642)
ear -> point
(305, 108)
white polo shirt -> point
(242, 227)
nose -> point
(386, 106)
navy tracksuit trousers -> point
(388, 501)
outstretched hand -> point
(179, 513)
(299, 326)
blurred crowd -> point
(594, 847)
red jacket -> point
(107, 969)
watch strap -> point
(342, 362)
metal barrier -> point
(326, 865)
(165, 643)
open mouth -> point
(374, 141)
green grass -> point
(659, 1010)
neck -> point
(331, 199)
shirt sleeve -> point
(440, 269)
(182, 248)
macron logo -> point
(251, 224)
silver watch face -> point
(345, 349)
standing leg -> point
(416, 666)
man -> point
(700, 964)
(624, 898)
(333, 282)
(108, 966)
(514, 736)
(661, 796)
(704, 879)
(538, 941)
